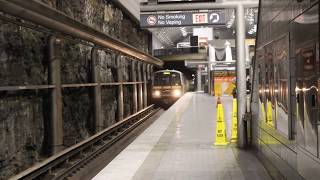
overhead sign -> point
(170, 19)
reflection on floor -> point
(179, 145)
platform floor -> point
(179, 146)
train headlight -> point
(177, 93)
(157, 93)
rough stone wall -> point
(127, 89)
(21, 113)
(24, 61)
(21, 132)
(108, 73)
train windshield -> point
(167, 79)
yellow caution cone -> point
(234, 128)
(269, 114)
(221, 136)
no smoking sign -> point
(152, 20)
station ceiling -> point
(170, 36)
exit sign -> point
(174, 19)
(200, 18)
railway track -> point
(67, 162)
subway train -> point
(286, 99)
(168, 86)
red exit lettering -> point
(200, 18)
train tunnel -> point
(159, 89)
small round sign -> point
(214, 18)
(152, 20)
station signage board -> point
(172, 19)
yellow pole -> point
(234, 128)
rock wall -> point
(24, 61)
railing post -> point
(134, 86)
(149, 89)
(56, 121)
(140, 98)
(98, 123)
(145, 81)
(120, 87)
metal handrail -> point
(42, 14)
(37, 87)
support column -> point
(145, 81)
(120, 87)
(134, 86)
(56, 121)
(95, 70)
(209, 78)
(151, 72)
(140, 97)
(148, 72)
(148, 83)
(241, 74)
(199, 78)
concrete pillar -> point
(134, 86)
(199, 78)
(119, 60)
(241, 73)
(98, 123)
(145, 81)
(56, 121)
(140, 97)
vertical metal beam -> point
(148, 72)
(151, 71)
(120, 87)
(199, 78)
(98, 123)
(209, 78)
(148, 82)
(241, 74)
(134, 87)
(56, 121)
(140, 98)
(145, 81)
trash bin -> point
(247, 129)
(206, 89)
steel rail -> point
(39, 87)
(64, 163)
(44, 15)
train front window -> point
(167, 79)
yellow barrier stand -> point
(229, 89)
(217, 89)
(269, 114)
(221, 136)
(234, 129)
(263, 113)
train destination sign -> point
(215, 17)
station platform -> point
(179, 145)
